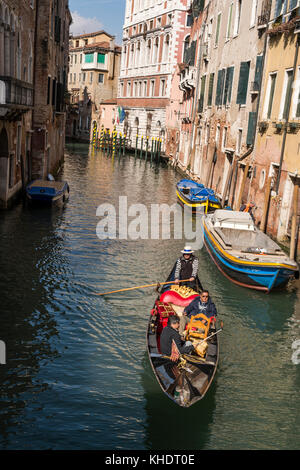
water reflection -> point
(170, 427)
(31, 256)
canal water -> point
(77, 375)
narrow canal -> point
(77, 375)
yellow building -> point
(276, 169)
(94, 62)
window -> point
(121, 89)
(228, 85)
(128, 88)
(89, 58)
(239, 142)
(218, 29)
(145, 88)
(243, 83)
(237, 17)
(101, 78)
(224, 139)
(19, 142)
(101, 58)
(296, 102)
(83, 77)
(166, 48)
(152, 87)
(220, 87)
(229, 21)
(286, 94)
(270, 95)
(48, 90)
(253, 13)
(210, 89)
(91, 77)
(202, 93)
(162, 87)
(189, 20)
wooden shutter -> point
(258, 72)
(202, 92)
(210, 89)
(220, 87)
(251, 128)
(243, 83)
(228, 85)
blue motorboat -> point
(195, 195)
(48, 192)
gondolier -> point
(187, 268)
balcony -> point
(188, 79)
(15, 94)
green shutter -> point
(251, 128)
(220, 87)
(243, 83)
(228, 85)
(89, 58)
(210, 89)
(258, 72)
(202, 92)
(101, 58)
(230, 81)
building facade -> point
(93, 78)
(153, 36)
(17, 26)
(275, 184)
(33, 71)
(50, 86)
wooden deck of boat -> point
(57, 185)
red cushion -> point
(176, 299)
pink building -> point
(153, 40)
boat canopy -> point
(232, 219)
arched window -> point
(132, 55)
(166, 48)
(148, 52)
(155, 50)
(138, 54)
(186, 45)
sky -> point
(93, 15)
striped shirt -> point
(180, 265)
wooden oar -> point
(141, 287)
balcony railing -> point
(15, 92)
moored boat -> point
(195, 195)
(186, 379)
(48, 192)
(243, 253)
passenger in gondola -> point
(170, 333)
(187, 268)
(202, 304)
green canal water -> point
(77, 375)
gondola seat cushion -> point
(175, 298)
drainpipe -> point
(287, 116)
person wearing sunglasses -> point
(202, 304)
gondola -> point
(244, 254)
(187, 380)
(195, 195)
